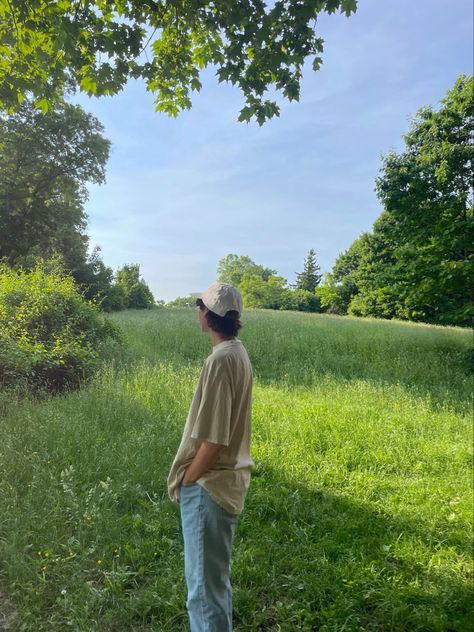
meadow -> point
(359, 513)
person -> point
(210, 474)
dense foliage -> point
(136, 293)
(48, 47)
(50, 337)
(418, 262)
(45, 163)
(261, 287)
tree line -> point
(418, 261)
(415, 264)
(46, 161)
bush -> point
(140, 296)
(300, 300)
(114, 300)
(50, 337)
(376, 303)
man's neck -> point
(217, 338)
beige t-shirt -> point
(220, 412)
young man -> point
(210, 474)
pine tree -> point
(309, 279)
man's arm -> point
(203, 459)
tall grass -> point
(359, 510)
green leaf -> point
(43, 105)
(246, 114)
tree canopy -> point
(418, 262)
(97, 45)
(137, 293)
(45, 164)
(232, 268)
(46, 161)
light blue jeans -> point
(208, 534)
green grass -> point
(359, 511)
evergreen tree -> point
(309, 279)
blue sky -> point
(183, 193)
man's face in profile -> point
(202, 318)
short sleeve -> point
(213, 418)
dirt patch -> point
(8, 615)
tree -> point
(49, 47)
(330, 295)
(231, 269)
(97, 283)
(345, 273)
(367, 264)
(45, 163)
(378, 273)
(309, 279)
(300, 301)
(427, 192)
(137, 293)
(417, 264)
(256, 292)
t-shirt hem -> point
(218, 501)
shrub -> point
(140, 296)
(300, 300)
(50, 337)
(114, 300)
(377, 303)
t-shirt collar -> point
(225, 343)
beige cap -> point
(220, 298)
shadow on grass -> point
(304, 559)
(311, 560)
(450, 386)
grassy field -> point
(359, 511)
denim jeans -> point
(208, 534)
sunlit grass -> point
(359, 511)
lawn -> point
(359, 513)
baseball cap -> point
(221, 298)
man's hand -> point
(204, 458)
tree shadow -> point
(300, 352)
(307, 559)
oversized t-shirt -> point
(220, 412)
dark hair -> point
(227, 325)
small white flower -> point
(63, 591)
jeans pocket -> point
(182, 486)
